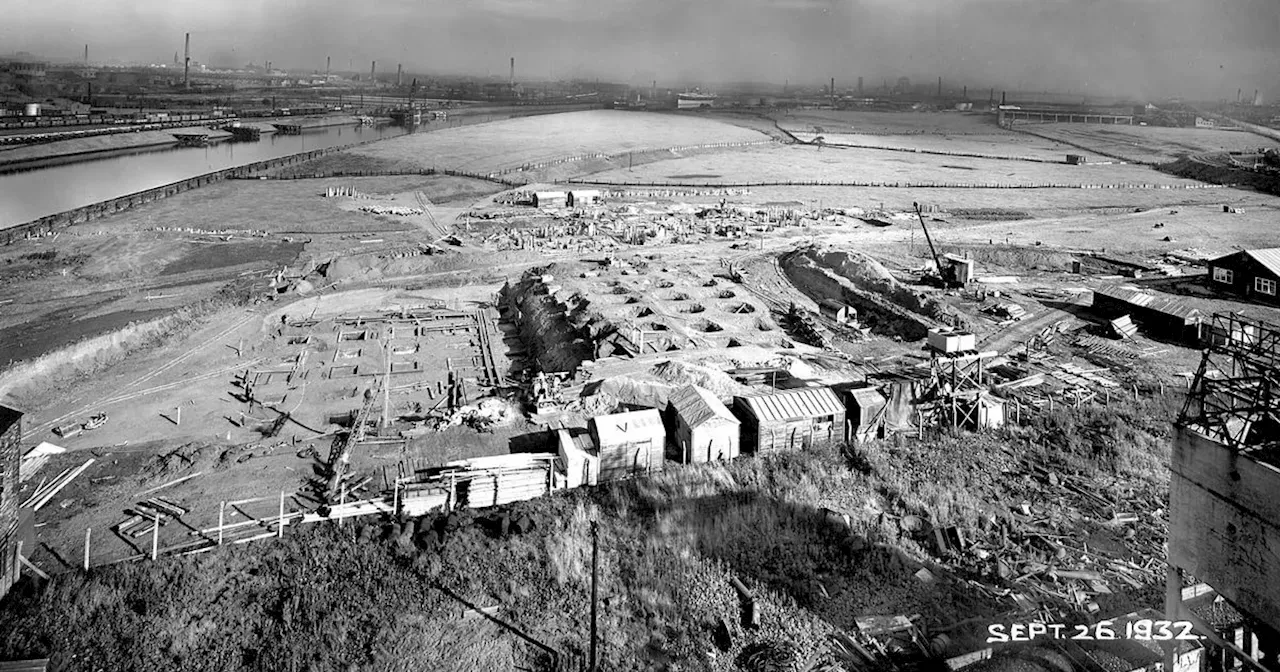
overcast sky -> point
(1155, 48)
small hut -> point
(629, 443)
(704, 429)
(865, 413)
(581, 197)
(576, 457)
(837, 311)
(550, 199)
(791, 419)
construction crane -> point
(945, 276)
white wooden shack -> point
(576, 458)
(550, 199)
(704, 429)
(629, 443)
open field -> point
(805, 163)
(1150, 144)
(515, 142)
(998, 144)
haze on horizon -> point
(1141, 48)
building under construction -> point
(1224, 512)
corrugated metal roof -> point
(1149, 300)
(804, 402)
(1269, 258)
(697, 406)
(629, 427)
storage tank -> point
(31, 109)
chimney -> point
(653, 90)
(511, 79)
(939, 87)
(399, 73)
(186, 64)
(859, 86)
(833, 91)
(1002, 97)
(966, 92)
(373, 72)
(1237, 96)
(86, 54)
(327, 62)
(991, 97)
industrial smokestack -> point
(653, 90)
(373, 72)
(1257, 99)
(939, 87)
(966, 92)
(511, 79)
(859, 86)
(86, 54)
(1002, 97)
(833, 91)
(399, 73)
(186, 64)
(327, 63)
(1238, 96)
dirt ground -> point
(512, 143)
(705, 276)
(1151, 143)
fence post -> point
(87, 530)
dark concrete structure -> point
(1252, 274)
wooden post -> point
(177, 416)
(17, 564)
(280, 530)
(87, 530)
(222, 510)
(395, 497)
(155, 539)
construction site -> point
(723, 397)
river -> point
(29, 195)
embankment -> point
(1195, 169)
(48, 225)
(545, 323)
(883, 304)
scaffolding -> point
(1224, 518)
(1235, 396)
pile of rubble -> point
(392, 210)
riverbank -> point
(34, 156)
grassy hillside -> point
(378, 596)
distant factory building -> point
(33, 69)
(550, 199)
(629, 443)
(705, 430)
(10, 458)
(1159, 315)
(1253, 274)
(581, 197)
(790, 420)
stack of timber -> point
(47, 491)
(1123, 327)
(144, 516)
(493, 481)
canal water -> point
(32, 194)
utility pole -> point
(386, 383)
(595, 576)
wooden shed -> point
(628, 443)
(576, 458)
(703, 427)
(864, 413)
(550, 199)
(790, 419)
(581, 197)
(837, 311)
